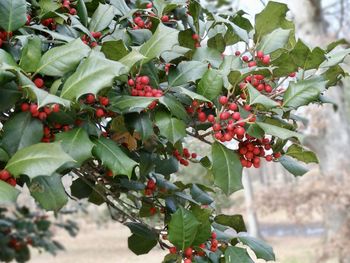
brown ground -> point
(109, 245)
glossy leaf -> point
(234, 221)
(31, 54)
(38, 159)
(174, 106)
(141, 123)
(60, 60)
(171, 128)
(127, 104)
(299, 153)
(227, 169)
(49, 192)
(210, 85)
(255, 97)
(8, 193)
(13, 14)
(113, 157)
(186, 71)
(101, 18)
(92, 75)
(77, 144)
(21, 131)
(260, 248)
(293, 166)
(183, 227)
(279, 131)
(237, 255)
(275, 40)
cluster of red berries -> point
(99, 109)
(185, 156)
(252, 150)
(49, 23)
(140, 23)
(6, 177)
(257, 81)
(151, 186)
(68, 5)
(265, 59)
(49, 133)
(141, 87)
(3, 36)
(196, 107)
(230, 124)
(89, 41)
(42, 113)
(197, 40)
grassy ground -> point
(109, 244)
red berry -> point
(151, 184)
(223, 100)
(213, 235)
(11, 181)
(165, 18)
(56, 108)
(131, 82)
(202, 117)
(187, 260)
(268, 158)
(42, 116)
(90, 99)
(172, 250)
(233, 106)
(245, 58)
(4, 175)
(266, 59)
(188, 252)
(218, 136)
(144, 80)
(153, 210)
(99, 113)
(238, 53)
(292, 75)
(251, 64)
(224, 115)
(227, 137)
(236, 116)
(33, 108)
(211, 118)
(94, 44)
(260, 54)
(194, 155)
(240, 131)
(195, 37)
(39, 82)
(268, 88)
(149, 5)
(96, 35)
(24, 106)
(73, 11)
(216, 127)
(104, 101)
(277, 155)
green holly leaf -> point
(31, 54)
(299, 153)
(164, 7)
(186, 71)
(279, 132)
(141, 123)
(306, 58)
(227, 169)
(38, 159)
(9, 95)
(303, 92)
(260, 248)
(13, 14)
(210, 85)
(82, 12)
(132, 58)
(114, 50)
(142, 239)
(174, 106)
(208, 55)
(60, 60)
(101, 18)
(293, 166)
(77, 144)
(204, 229)
(49, 192)
(163, 39)
(171, 128)
(234, 221)
(183, 227)
(127, 104)
(189, 93)
(335, 57)
(113, 157)
(20, 131)
(237, 255)
(275, 40)
(255, 97)
(8, 193)
(92, 75)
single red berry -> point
(236, 116)
(233, 106)
(93, 44)
(131, 82)
(73, 11)
(96, 35)
(240, 131)
(202, 117)
(4, 175)
(228, 137)
(153, 210)
(266, 59)
(165, 18)
(39, 82)
(90, 99)
(213, 235)
(104, 101)
(24, 106)
(245, 58)
(33, 108)
(99, 113)
(268, 88)
(29, 18)
(260, 54)
(11, 181)
(268, 158)
(224, 115)
(223, 100)
(211, 118)
(194, 155)
(238, 53)
(151, 184)
(42, 115)
(292, 75)
(218, 136)
(195, 37)
(188, 252)
(149, 5)
(56, 108)
(187, 260)
(216, 127)
(251, 64)
(277, 155)
(145, 80)
(172, 250)
(109, 173)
